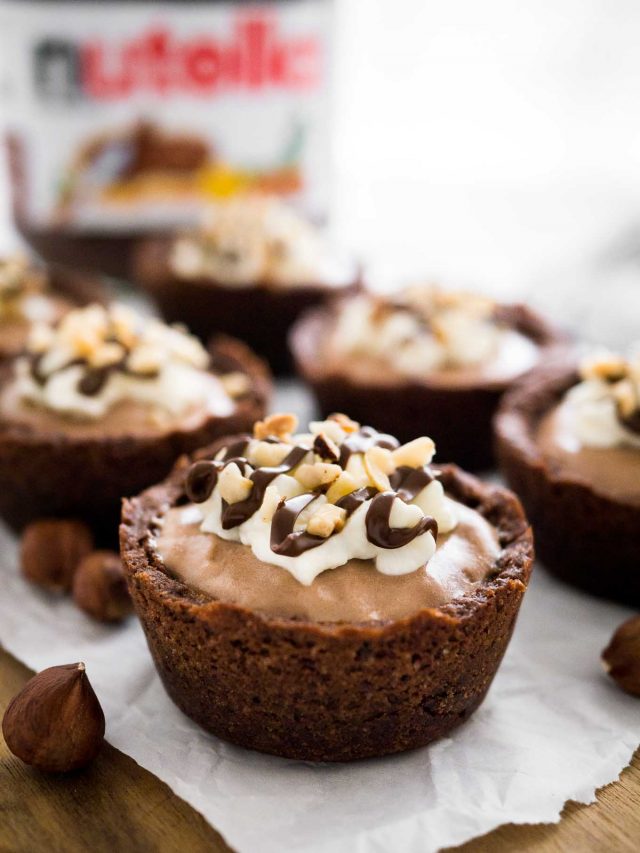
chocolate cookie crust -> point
(59, 475)
(258, 314)
(323, 691)
(457, 418)
(585, 538)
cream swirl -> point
(97, 357)
(605, 405)
(254, 239)
(424, 329)
(312, 502)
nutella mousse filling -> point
(113, 372)
(338, 524)
(593, 433)
(354, 592)
(451, 339)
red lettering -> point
(202, 66)
(255, 57)
(99, 81)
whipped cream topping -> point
(97, 357)
(254, 240)
(311, 502)
(424, 329)
(605, 405)
(23, 292)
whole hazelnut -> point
(622, 656)
(100, 587)
(51, 549)
(55, 723)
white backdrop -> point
(494, 144)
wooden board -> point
(116, 805)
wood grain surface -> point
(115, 805)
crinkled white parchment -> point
(552, 728)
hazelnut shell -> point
(55, 723)
(51, 550)
(622, 656)
(100, 587)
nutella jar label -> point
(131, 116)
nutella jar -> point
(127, 118)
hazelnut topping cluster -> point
(621, 376)
(307, 487)
(108, 340)
(247, 240)
(421, 328)
(18, 280)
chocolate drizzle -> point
(37, 375)
(235, 514)
(353, 500)
(201, 480)
(409, 482)
(94, 379)
(406, 483)
(362, 440)
(236, 448)
(381, 534)
(285, 540)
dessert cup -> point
(587, 526)
(454, 407)
(55, 465)
(248, 298)
(311, 671)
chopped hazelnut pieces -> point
(113, 339)
(279, 425)
(145, 360)
(344, 485)
(318, 474)
(376, 464)
(233, 485)
(608, 368)
(622, 376)
(326, 520)
(415, 453)
(236, 384)
(357, 470)
(344, 422)
(266, 454)
(106, 355)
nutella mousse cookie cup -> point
(250, 271)
(325, 596)
(422, 360)
(103, 403)
(568, 441)
(31, 293)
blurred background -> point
(493, 145)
